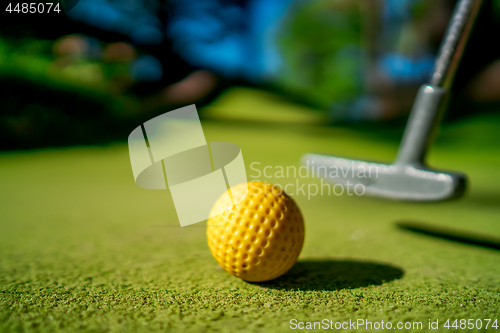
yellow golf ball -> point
(260, 238)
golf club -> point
(409, 178)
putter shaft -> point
(432, 100)
(454, 42)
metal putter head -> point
(392, 181)
(408, 178)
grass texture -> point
(83, 249)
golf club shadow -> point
(451, 234)
(327, 274)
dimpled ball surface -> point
(260, 238)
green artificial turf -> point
(82, 248)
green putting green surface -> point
(82, 248)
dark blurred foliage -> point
(15, 27)
(62, 81)
(37, 115)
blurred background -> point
(91, 74)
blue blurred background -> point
(71, 77)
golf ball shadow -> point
(332, 274)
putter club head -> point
(391, 181)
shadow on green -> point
(335, 275)
(451, 234)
